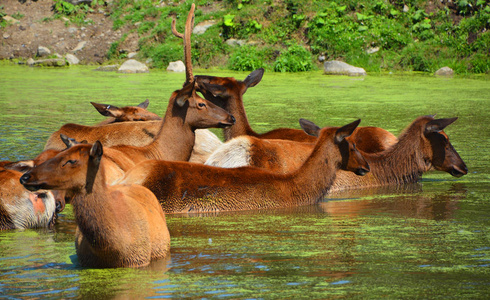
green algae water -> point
(426, 240)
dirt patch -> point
(36, 27)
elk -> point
(183, 187)
(227, 92)
(20, 208)
(421, 147)
(117, 226)
(126, 113)
(185, 113)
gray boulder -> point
(72, 59)
(43, 51)
(335, 67)
(202, 27)
(444, 71)
(176, 66)
(133, 66)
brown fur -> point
(187, 187)
(118, 226)
(414, 154)
(227, 92)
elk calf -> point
(118, 226)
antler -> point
(189, 25)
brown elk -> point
(227, 92)
(186, 187)
(20, 208)
(421, 147)
(126, 113)
(118, 226)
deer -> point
(227, 92)
(185, 113)
(423, 146)
(20, 208)
(183, 187)
(126, 113)
(118, 225)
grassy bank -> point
(291, 36)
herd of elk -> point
(183, 187)
(422, 146)
(129, 170)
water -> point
(425, 240)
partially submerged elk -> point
(186, 187)
(227, 92)
(422, 146)
(126, 113)
(118, 226)
(20, 208)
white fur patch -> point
(232, 154)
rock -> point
(72, 30)
(10, 19)
(405, 8)
(108, 68)
(43, 51)
(133, 66)
(234, 42)
(335, 67)
(72, 59)
(372, 50)
(54, 62)
(202, 27)
(132, 54)
(176, 66)
(30, 61)
(79, 46)
(444, 71)
(6, 35)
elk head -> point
(127, 113)
(201, 113)
(352, 159)
(442, 154)
(72, 169)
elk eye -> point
(70, 162)
(201, 104)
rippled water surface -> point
(425, 240)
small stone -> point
(43, 51)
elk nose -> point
(363, 171)
(24, 178)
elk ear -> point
(20, 166)
(107, 110)
(69, 142)
(438, 124)
(254, 78)
(184, 94)
(96, 151)
(309, 127)
(346, 131)
(144, 104)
